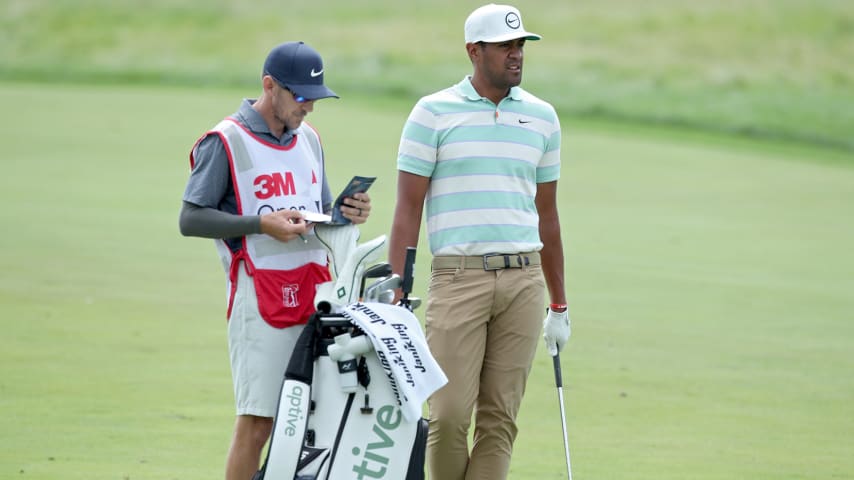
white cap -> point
(496, 23)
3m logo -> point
(274, 185)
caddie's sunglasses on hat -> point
(297, 98)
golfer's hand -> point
(357, 208)
(284, 225)
(556, 330)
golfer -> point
(253, 176)
(485, 155)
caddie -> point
(254, 176)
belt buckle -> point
(486, 258)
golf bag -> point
(339, 418)
(343, 412)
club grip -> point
(558, 379)
(408, 271)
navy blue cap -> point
(299, 68)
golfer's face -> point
(289, 108)
(501, 63)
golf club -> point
(375, 271)
(559, 383)
(408, 275)
(386, 297)
(376, 289)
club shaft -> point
(559, 384)
(565, 438)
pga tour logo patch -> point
(289, 295)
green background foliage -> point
(769, 68)
(709, 276)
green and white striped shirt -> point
(484, 162)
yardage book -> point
(357, 184)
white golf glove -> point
(556, 330)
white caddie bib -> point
(269, 177)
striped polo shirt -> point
(484, 162)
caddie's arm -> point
(207, 222)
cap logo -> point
(512, 20)
(316, 74)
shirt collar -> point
(467, 90)
(253, 119)
(256, 123)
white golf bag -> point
(340, 414)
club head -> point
(386, 297)
(374, 271)
(410, 302)
(378, 270)
(414, 302)
(377, 289)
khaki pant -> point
(483, 328)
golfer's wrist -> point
(558, 307)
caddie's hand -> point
(357, 208)
(284, 225)
(556, 330)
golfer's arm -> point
(552, 252)
(411, 190)
(197, 221)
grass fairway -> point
(710, 284)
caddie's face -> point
(289, 109)
(500, 64)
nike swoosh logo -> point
(316, 74)
(525, 121)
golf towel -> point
(402, 349)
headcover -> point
(347, 263)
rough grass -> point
(761, 68)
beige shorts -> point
(259, 353)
